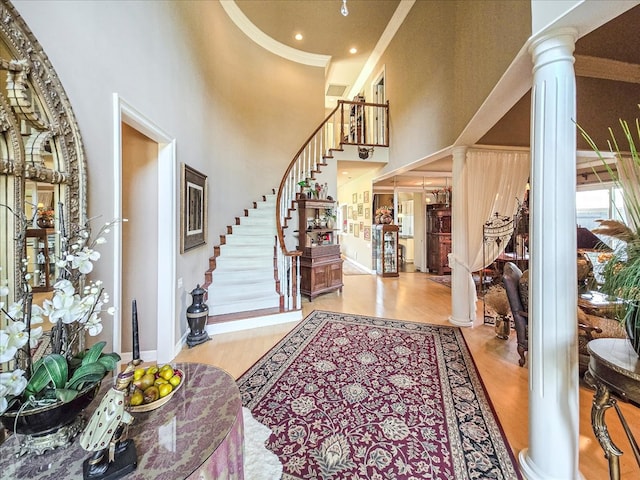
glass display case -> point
(385, 250)
(41, 252)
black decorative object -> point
(197, 314)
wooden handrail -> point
(307, 162)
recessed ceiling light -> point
(298, 36)
(345, 173)
(353, 50)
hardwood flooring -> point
(414, 297)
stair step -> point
(245, 229)
(255, 303)
(233, 293)
(258, 220)
(239, 250)
(225, 263)
(243, 240)
(243, 277)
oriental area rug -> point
(355, 397)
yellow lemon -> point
(138, 373)
(165, 389)
(153, 369)
(160, 381)
(137, 398)
(175, 380)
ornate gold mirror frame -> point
(42, 163)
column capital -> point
(553, 46)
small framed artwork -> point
(354, 217)
(356, 230)
(367, 213)
(350, 215)
(362, 226)
(193, 208)
(360, 209)
(354, 198)
(366, 231)
(351, 228)
(366, 196)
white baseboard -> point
(358, 265)
(254, 322)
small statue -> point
(105, 434)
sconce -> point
(364, 152)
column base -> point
(531, 472)
(461, 322)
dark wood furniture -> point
(438, 239)
(320, 262)
(385, 249)
(614, 370)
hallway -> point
(412, 296)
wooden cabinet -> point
(385, 250)
(320, 263)
(438, 239)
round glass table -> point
(197, 434)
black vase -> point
(197, 315)
(632, 325)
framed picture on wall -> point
(351, 228)
(356, 230)
(367, 213)
(354, 198)
(360, 209)
(193, 208)
(367, 233)
(365, 197)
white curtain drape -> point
(629, 176)
(496, 181)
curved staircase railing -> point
(350, 123)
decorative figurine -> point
(197, 314)
(114, 455)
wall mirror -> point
(42, 164)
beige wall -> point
(440, 67)
(237, 112)
(139, 245)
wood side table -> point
(197, 434)
(614, 370)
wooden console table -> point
(614, 368)
(197, 434)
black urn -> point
(197, 314)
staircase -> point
(254, 272)
(241, 271)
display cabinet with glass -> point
(385, 250)
(320, 262)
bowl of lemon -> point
(153, 386)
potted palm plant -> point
(621, 271)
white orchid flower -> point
(18, 335)
(4, 291)
(14, 382)
(3, 404)
(7, 350)
(36, 314)
(64, 286)
(94, 325)
(15, 310)
(34, 338)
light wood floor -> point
(414, 297)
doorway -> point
(145, 164)
(379, 96)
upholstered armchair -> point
(511, 276)
(589, 326)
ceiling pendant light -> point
(343, 10)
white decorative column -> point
(553, 353)
(462, 297)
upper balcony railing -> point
(350, 123)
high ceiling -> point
(326, 31)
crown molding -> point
(268, 43)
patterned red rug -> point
(354, 397)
